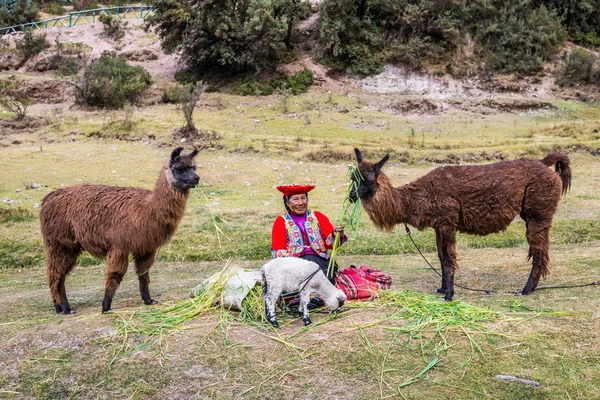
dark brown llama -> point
(112, 222)
(476, 199)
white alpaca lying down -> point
(288, 274)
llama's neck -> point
(167, 202)
(388, 206)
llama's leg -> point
(60, 263)
(450, 265)
(538, 236)
(142, 268)
(270, 299)
(438, 243)
(116, 266)
(304, 298)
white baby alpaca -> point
(287, 274)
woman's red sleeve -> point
(327, 230)
(279, 235)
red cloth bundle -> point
(362, 283)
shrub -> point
(113, 28)
(290, 84)
(518, 37)
(82, 5)
(110, 82)
(22, 12)
(578, 67)
(12, 99)
(54, 9)
(31, 44)
(188, 97)
(226, 37)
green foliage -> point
(22, 12)
(54, 9)
(113, 28)
(110, 82)
(283, 82)
(516, 37)
(581, 19)
(82, 5)
(226, 37)
(578, 67)
(349, 39)
(512, 36)
(32, 44)
(13, 99)
(254, 88)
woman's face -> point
(298, 203)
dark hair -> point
(285, 201)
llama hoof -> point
(150, 302)
(107, 311)
(274, 323)
(307, 321)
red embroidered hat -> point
(289, 190)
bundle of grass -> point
(350, 214)
(164, 319)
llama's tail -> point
(561, 166)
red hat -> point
(289, 190)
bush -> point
(54, 9)
(226, 37)
(517, 37)
(113, 28)
(22, 12)
(82, 5)
(12, 99)
(110, 82)
(31, 44)
(578, 67)
(283, 82)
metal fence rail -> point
(90, 16)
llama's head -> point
(182, 169)
(364, 179)
(336, 301)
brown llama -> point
(475, 199)
(112, 222)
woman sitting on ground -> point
(302, 232)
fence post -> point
(70, 20)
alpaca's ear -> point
(379, 164)
(359, 156)
(174, 155)
(193, 153)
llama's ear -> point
(379, 164)
(174, 155)
(193, 153)
(359, 156)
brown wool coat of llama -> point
(113, 222)
(475, 199)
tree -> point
(224, 35)
(22, 12)
(13, 99)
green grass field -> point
(249, 146)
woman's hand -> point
(338, 229)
